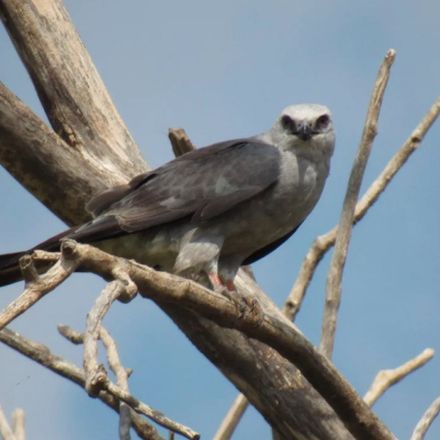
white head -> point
(304, 127)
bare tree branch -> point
(290, 343)
(387, 378)
(35, 290)
(245, 355)
(18, 425)
(425, 422)
(42, 355)
(324, 242)
(334, 278)
(232, 418)
(121, 373)
(43, 163)
(121, 379)
(180, 141)
(315, 419)
(5, 429)
(96, 375)
(73, 95)
(70, 334)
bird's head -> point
(304, 126)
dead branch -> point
(232, 418)
(95, 372)
(18, 419)
(180, 141)
(5, 430)
(166, 288)
(302, 413)
(425, 422)
(121, 374)
(42, 355)
(36, 288)
(324, 242)
(44, 163)
(163, 287)
(73, 94)
(334, 278)
(70, 334)
(387, 378)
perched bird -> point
(213, 209)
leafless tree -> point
(293, 385)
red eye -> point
(322, 122)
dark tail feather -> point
(9, 263)
(9, 268)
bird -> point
(214, 209)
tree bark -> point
(93, 150)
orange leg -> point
(216, 281)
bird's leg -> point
(216, 282)
(227, 288)
(230, 285)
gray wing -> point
(199, 185)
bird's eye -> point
(322, 122)
(288, 123)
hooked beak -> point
(304, 131)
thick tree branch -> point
(324, 242)
(42, 355)
(167, 288)
(45, 165)
(72, 93)
(256, 369)
(387, 378)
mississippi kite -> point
(213, 209)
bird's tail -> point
(9, 268)
(9, 263)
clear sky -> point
(224, 70)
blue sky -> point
(223, 70)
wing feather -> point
(199, 185)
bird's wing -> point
(199, 185)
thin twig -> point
(95, 372)
(142, 408)
(70, 334)
(36, 290)
(425, 422)
(334, 279)
(5, 430)
(324, 242)
(18, 425)
(387, 378)
(121, 379)
(96, 376)
(232, 418)
(42, 355)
